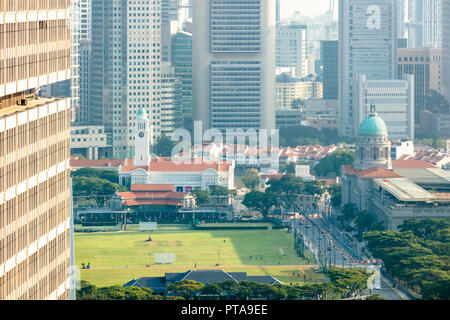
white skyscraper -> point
(446, 47)
(126, 62)
(291, 48)
(394, 100)
(234, 63)
(367, 46)
(432, 23)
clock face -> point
(141, 134)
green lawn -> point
(117, 257)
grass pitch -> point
(117, 257)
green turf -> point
(122, 250)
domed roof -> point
(141, 114)
(373, 125)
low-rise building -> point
(89, 140)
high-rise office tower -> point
(278, 11)
(446, 47)
(414, 24)
(291, 48)
(367, 46)
(234, 63)
(426, 66)
(394, 100)
(84, 113)
(126, 66)
(432, 23)
(169, 26)
(182, 62)
(71, 87)
(35, 236)
(170, 99)
(401, 11)
(329, 55)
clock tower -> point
(143, 136)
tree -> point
(348, 211)
(348, 281)
(288, 168)
(260, 201)
(91, 292)
(314, 188)
(298, 104)
(201, 196)
(333, 162)
(87, 186)
(110, 175)
(436, 103)
(220, 191)
(364, 220)
(187, 289)
(251, 178)
(335, 190)
(288, 184)
(164, 146)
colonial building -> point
(392, 190)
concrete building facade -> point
(234, 63)
(394, 100)
(367, 46)
(291, 48)
(35, 234)
(329, 55)
(126, 67)
(446, 47)
(426, 66)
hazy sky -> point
(309, 8)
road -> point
(329, 249)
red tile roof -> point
(167, 165)
(167, 202)
(151, 195)
(406, 164)
(370, 173)
(377, 173)
(329, 182)
(152, 187)
(75, 163)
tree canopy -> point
(260, 201)
(251, 178)
(418, 254)
(331, 164)
(164, 146)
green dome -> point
(141, 114)
(373, 126)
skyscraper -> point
(432, 23)
(234, 63)
(329, 55)
(182, 61)
(126, 67)
(446, 47)
(394, 100)
(367, 46)
(291, 48)
(35, 236)
(426, 66)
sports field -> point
(117, 257)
